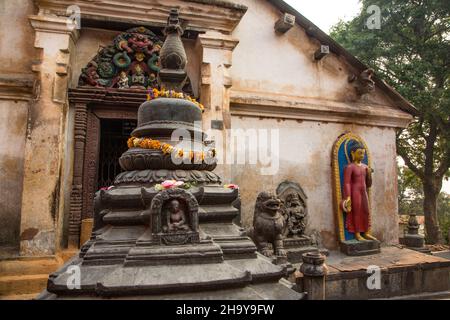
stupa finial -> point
(172, 75)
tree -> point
(410, 192)
(410, 199)
(411, 53)
(444, 214)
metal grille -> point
(113, 142)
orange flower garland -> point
(147, 143)
(155, 93)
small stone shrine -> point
(412, 239)
(165, 228)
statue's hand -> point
(348, 204)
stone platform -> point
(403, 272)
(242, 279)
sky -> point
(326, 13)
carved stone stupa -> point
(154, 239)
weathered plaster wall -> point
(305, 157)
(16, 54)
(17, 36)
(13, 122)
(268, 62)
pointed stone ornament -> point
(172, 75)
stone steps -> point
(22, 284)
(23, 278)
(19, 297)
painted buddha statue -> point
(357, 180)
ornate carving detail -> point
(142, 159)
(364, 82)
(174, 217)
(268, 225)
(157, 176)
(76, 196)
(90, 165)
(294, 209)
(130, 62)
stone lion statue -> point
(268, 225)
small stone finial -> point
(412, 239)
(313, 264)
(314, 272)
(173, 59)
(413, 224)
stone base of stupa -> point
(404, 273)
(123, 260)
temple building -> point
(277, 93)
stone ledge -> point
(403, 272)
(16, 87)
(258, 104)
(206, 15)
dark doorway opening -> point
(113, 142)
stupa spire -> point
(172, 75)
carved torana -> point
(132, 61)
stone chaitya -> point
(165, 228)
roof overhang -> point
(313, 31)
(216, 15)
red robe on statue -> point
(357, 179)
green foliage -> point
(410, 192)
(410, 199)
(411, 52)
(444, 215)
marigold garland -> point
(155, 93)
(166, 148)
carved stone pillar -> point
(215, 84)
(44, 178)
(76, 196)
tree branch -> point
(445, 165)
(402, 153)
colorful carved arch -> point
(135, 47)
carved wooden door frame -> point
(92, 150)
(91, 105)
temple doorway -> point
(108, 129)
(114, 134)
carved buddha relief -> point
(176, 217)
(293, 208)
(173, 216)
